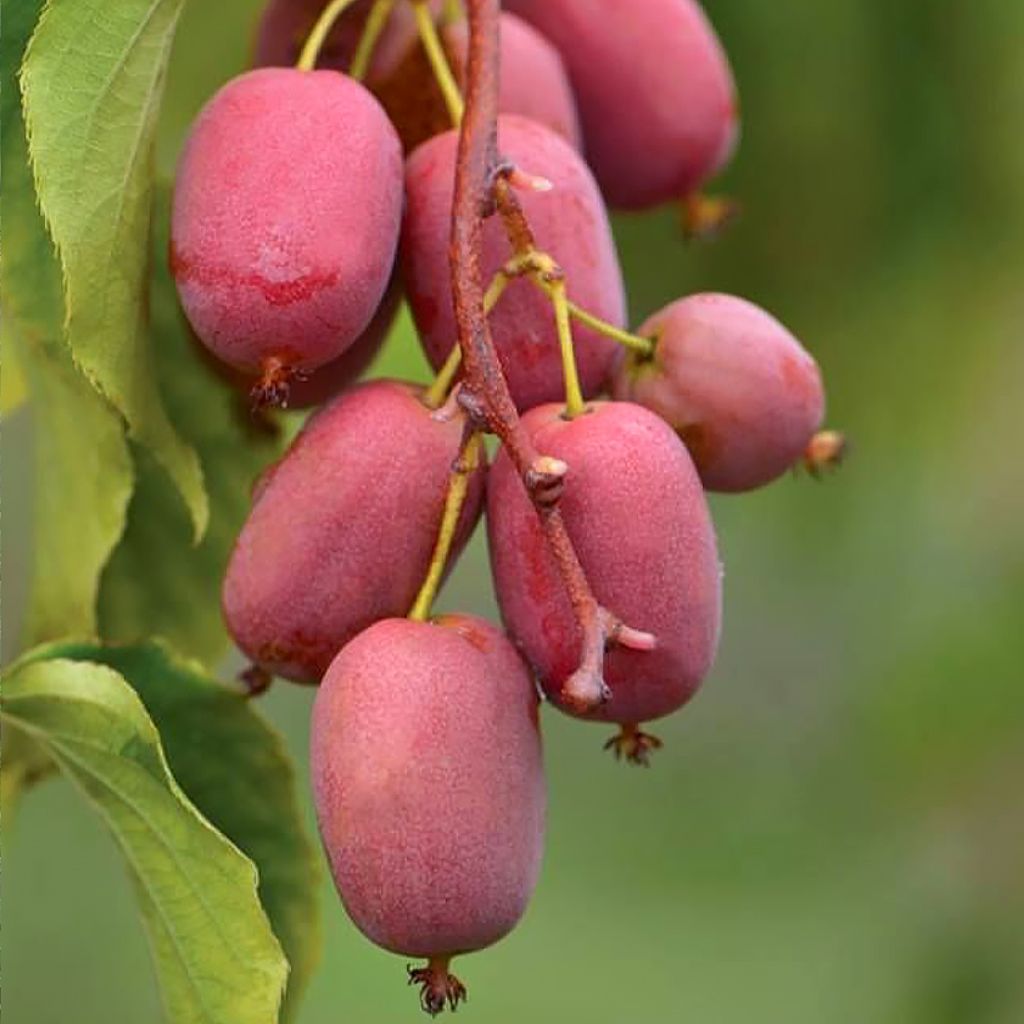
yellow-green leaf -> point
(216, 956)
(83, 472)
(13, 390)
(92, 82)
(158, 582)
(234, 767)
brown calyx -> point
(438, 988)
(271, 390)
(825, 451)
(705, 217)
(632, 745)
(256, 680)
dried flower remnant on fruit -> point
(633, 745)
(274, 386)
(255, 680)
(281, 263)
(445, 708)
(637, 516)
(437, 987)
(825, 451)
(740, 390)
(704, 217)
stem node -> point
(482, 181)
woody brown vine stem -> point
(480, 184)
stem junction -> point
(481, 186)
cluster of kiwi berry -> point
(306, 203)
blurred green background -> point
(835, 830)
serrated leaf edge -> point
(151, 734)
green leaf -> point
(235, 769)
(13, 389)
(158, 582)
(216, 957)
(23, 763)
(92, 82)
(83, 474)
(82, 485)
(28, 264)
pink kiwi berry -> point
(738, 388)
(569, 221)
(429, 789)
(635, 511)
(285, 220)
(533, 80)
(654, 90)
(342, 529)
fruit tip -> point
(438, 987)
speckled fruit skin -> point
(654, 90)
(287, 206)
(342, 528)
(320, 386)
(330, 380)
(637, 516)
(569, 222)
(739, 389)
(428, 784)
(533, 81)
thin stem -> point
(485, 391)
(517, 228)
(441, 385)
(315, 39)
(541, 267)
(574, 404)
(452, 12)
(375, 22)
(458, 485)
(438, 61)
(435, 394)
(495, 290)
(513, 218)
(643, 347)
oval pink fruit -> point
(342, 529)
(654, 91)
(569, 222)
(533, 80)
(738, 388)
(286, 213)
(635, 511)
(429, 788)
